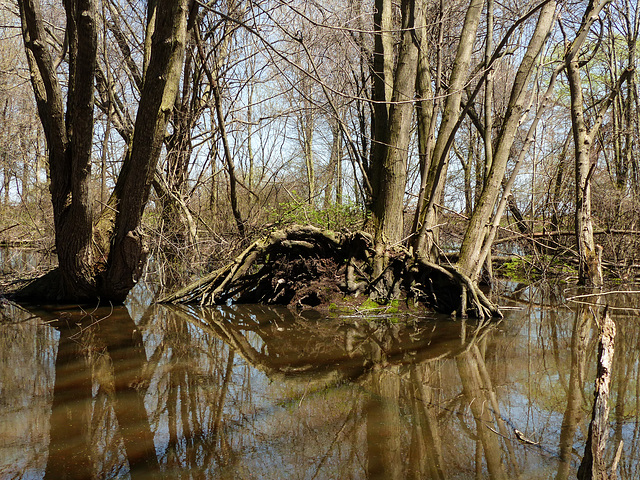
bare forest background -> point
(519, 116)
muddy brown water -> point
(251, 392)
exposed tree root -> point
(305, 266)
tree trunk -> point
(69, 140)
(389, 186)
(435, 178)
(590, 267)
(306, 135)
(381, 89)
(590, 270)
(161, 82)
(102, 260)
(427, 111)
(477, 228)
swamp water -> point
(251, 392)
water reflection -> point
(257, 392)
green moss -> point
(393, 307)
(519, 269)
(369, 304)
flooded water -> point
(250, 392)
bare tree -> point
(590, 265)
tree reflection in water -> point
(257, 392)
(98, 417)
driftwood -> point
(593, 466)
(308, 266)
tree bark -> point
(477, 228)
(161, 83)
(69, 139)
(381, 89)
(590, 267)
(435, 178)
(101, 260)
(427, 109)
(388, 198)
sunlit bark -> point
(590, 262)
(436, 175)
(390, 161)
(476, 231)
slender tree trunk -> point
(488, 123)
(231, 170)
(632, 30)
(435, 180)
(307, 144)
(335, 169)
(427, 110)
(488, 95)
(590, 270)
(590, 267)
(477, 228)
(214, 81)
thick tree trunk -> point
(388, 198)
(161, 83)
(381, 89)
(101, 260)
(69, 140)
